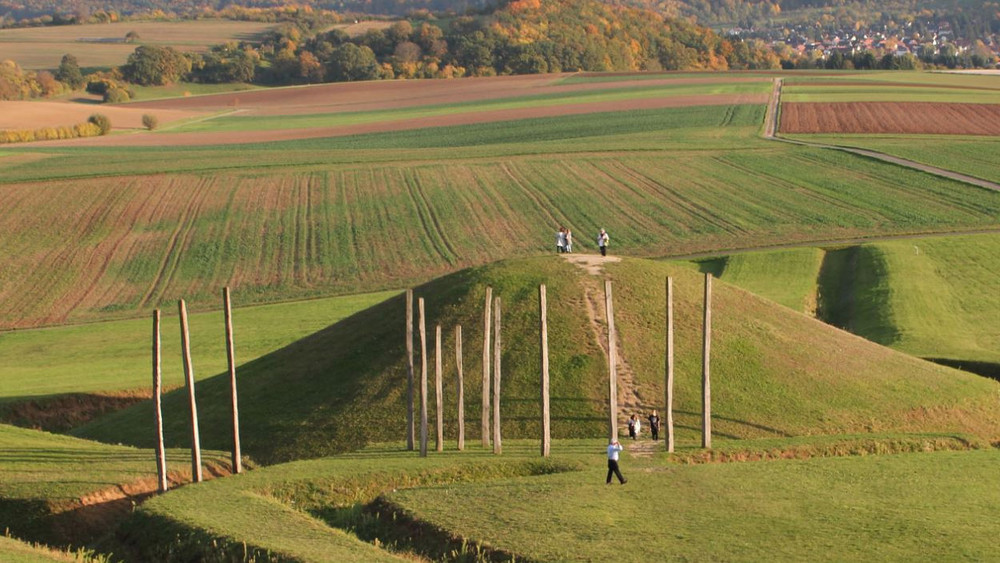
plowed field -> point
(891, 117)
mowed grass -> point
(14, 551)
(102, 45)
(560, 508)
(313, 217)
(785, 276)
(898, 507)
(112, 356)
(45, 475)
(933, 297)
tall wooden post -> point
(669, 386)
(161, 454)
(423, 379)
(438, 391)
(237, 457)
(461, 388)
(409, 370)
(544, 331)
(497, 449)
(609, 311)
(189, 377)
(706, 382)
(487, 331)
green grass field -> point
(975, 156)
(933, 297)
(114, 356)
(778, 373)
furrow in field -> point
(93, 272)
(179, 239)
(546, 208)
(432, 229)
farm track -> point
(771, 132)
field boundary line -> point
(771, 133)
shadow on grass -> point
(985, 369)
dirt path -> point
(629, 400)
(771, 132)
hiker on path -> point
(569, 240)
(561, 240)
(613, 450)
(654, 425)
(602, 242)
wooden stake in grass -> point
(544, 331)
(609, 311)
(409, 370)
(487, 330)
(189, 377)
(669, 386)
(423, 380)
(706, 383)
(438, 391)
(231, 358)
(161, 455)
(497, 449)
(461, 388)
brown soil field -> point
(891, 117)
(34, 115)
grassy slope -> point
(719, 188)
(13, 551)
(933, 297)
(899, 507)
(45, 474)
(777, 373)
(112, 356)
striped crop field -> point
(114, 232)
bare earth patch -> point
(35, 115)
(891, 117)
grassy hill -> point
(776, 372)
(932, 297)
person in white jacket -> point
(613, 449)
(602, 242)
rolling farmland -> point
(317, 216)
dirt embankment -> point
(65, 412)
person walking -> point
(631, 426)
(602, 242)
(654, 425)
(561, 240)
(613, 451)
(569, 240)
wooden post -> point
(409, 370)
(609, 311)
(497, 449)
(189, 377)
(487, 330)
(423, 380)
(706, 382)
(231, 359)
(461, 388)
(669, 386)
(161, 454)
(546, 430)
(438, 391)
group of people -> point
(633, 432)
(634, 426)
(564, 241)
